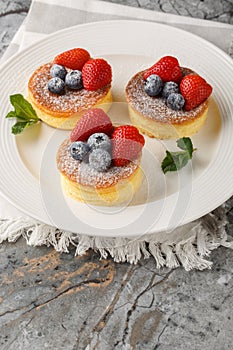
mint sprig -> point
(177, 160)
(23, 112)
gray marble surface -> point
(55, 301)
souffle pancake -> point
(167, 101)
(61, 91)
(100, 164)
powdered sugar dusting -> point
(84, 174)
(155, 107)
(73, 101)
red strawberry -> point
(96, 73)
(195, 90)
(73, 59)
(94, 120)
(167, 68)
(127, 143)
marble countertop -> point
(55, 301)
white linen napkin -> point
(189, 243)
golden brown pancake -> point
(112, 187)
(63, 111)
(153, 117)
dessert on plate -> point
(64, 89)
(100, 164)
(167, 101)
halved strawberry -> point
(195, 90)
(96, 74)
(94, 120)
(167, 68)
(127, 143)
(73, 59)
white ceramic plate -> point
(30, 180)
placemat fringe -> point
(188, 251)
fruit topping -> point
(96, 73)
(167, 68)
(73, 80)
(73, 59)
(195, 90)
(94, 120)
(179, 92)
(56, 86)
(153, 85)
(100, 159)
(175, 101)
(58, 71)
(99, 140)
(83, 72)
(95, 140)
(169, 88)
(127, 144)
(79, 150)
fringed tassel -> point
(202, 248)
(11, 230)
(156, 252)
(206, 236)
(188, 255)
(66, 239)
(84, 244)
(171, 259)
(41, 234)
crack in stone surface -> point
(14, 12)
(162, 331)
(160, 6)
(36, 305)
(134, 306)
(150, 305)
(103, 320)
(83, 283)
(15, 310)
(81, 332)
(116, 298)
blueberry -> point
(99, 140)
(74, 80)
(56, 85)
(175, 101)
(169, 88)
(153, 85)
(79, 150)
(100, 159)
(58, 71)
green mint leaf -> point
(168, 163)
(23, 112)
(19, 126)
(11, 114)
(176, 160)
(23, 108)
(180, 159)
(185, 143)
